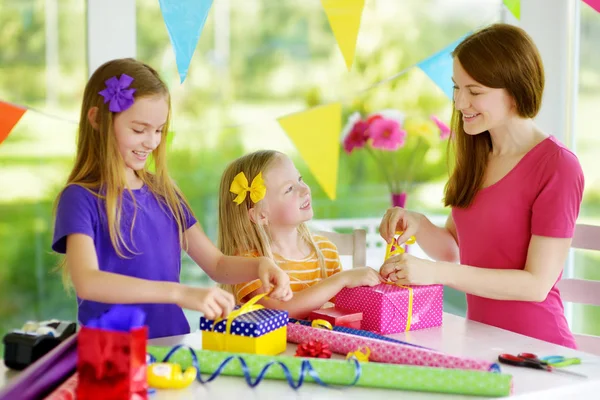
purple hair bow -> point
(117, 92)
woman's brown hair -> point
(500, 56)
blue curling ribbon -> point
(306, 368)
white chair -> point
(350, 244)
(584, 291)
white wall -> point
(111, 31)
(554, 26)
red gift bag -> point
(112, 364)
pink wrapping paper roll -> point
(385, 352)
(66, 391)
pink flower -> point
(445, 132)
(356, 138)
(386, 134)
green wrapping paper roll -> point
(340, 372)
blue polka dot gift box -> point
(248, 329)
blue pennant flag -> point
(184, 20)
(439, 68)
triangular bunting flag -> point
(514, 6)
(316, 135)
(439, 68)
(344, 19)
(184, 20)
(9, 116)
(595, 4)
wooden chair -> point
(584, 291)
(350, 244)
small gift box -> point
(248, 329)
(337, 317)
(390, 308)
(111, 356)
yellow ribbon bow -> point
(395, 248)
(240, 187)
(361, 354)
(246, 308)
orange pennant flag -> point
(9, 116)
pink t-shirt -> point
(540, 196)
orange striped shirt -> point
(303, 273)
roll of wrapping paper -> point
(384, 352)
(341, 372)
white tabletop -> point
(457, 336)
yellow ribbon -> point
(240, 187)
(246, 308)
(410, 303)
(360, 354)
(321, 323)
(397, 247)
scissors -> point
(394, 247)
(560, 361)
(529, 360)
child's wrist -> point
(174, 292)
(343, 278)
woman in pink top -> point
(515, 194)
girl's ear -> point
(257, 216)
(92, 116)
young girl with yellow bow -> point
(263, 207)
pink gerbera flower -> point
(445, 132)
(356, 138)
(386, 134)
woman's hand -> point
(398, 219)
(409, 270)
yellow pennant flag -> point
(344, 19)
(316, 135)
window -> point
(42, 66)
(586, 319)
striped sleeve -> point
(241, 291)
(330, 254)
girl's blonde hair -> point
(238, 234)
(100, 168)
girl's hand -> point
(271, 275)
(398, 219)
(365, 276)
(409, 270)
(212, 302)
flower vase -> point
(399, 199)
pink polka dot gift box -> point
(389, 308)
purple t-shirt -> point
(155, 244)
(540, 196)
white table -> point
(457, 336)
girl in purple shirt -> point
(515, 193)
(122, 227)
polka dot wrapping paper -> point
(391, 309)
(253, 324)
(386, 352)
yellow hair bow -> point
(240, 187)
